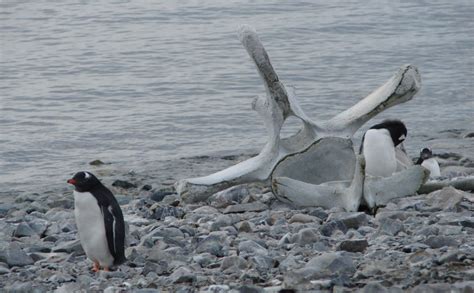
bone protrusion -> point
(379, 191)
(398, 89)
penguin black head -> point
(397, 130)
(426, 153)
(84, 181)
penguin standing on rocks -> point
(381, 145)
(99, 221)
(427, 160)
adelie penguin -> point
(382, 148)
(427, 160)
(99, 221)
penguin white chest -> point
(379, 153)
(432, 165)
(91, 228)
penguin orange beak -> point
(71, 181)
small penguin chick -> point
(378, 147)
(99, 221)
(427, 160)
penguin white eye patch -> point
(87, 175)
(402, 137)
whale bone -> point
(283, 158)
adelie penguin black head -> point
(397, 130)
(84, 181)
(426, 153)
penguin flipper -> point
(115, 231)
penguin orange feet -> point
(96, 267)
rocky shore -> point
(242, 240)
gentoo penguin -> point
(99, 221)
(427, 160)
(379, 147)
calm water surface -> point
(137, 83)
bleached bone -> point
(280, 103)
(466, 184)
(326, 195)
(379, 191)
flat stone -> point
(182, 275)
(353, 245)
(229, 196)
(437, 241)
(250, 247)
(13, 255)
(218, 289)
(69, 247)
(447, 199)
(246, 207)
(327, 265)
(306, 236)
(302, 218)
(233, 261)
(350, 220)
(262, 263)
(221, 221)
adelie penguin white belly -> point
(379, 153)
(432, 165)
(91, 228)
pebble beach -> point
(242, 240)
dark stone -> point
(390, 226)
(147, 187)
(24, 230)
(350, 220)
(162, 193)
(437, 241)
(328, 228)
(413, 247)
(353, 245)
(161, 213)
(182, 275)
(161, 267)
(123, 184)
(318, 212)
(211, 244)
(96, 163)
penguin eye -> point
(402, 137)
